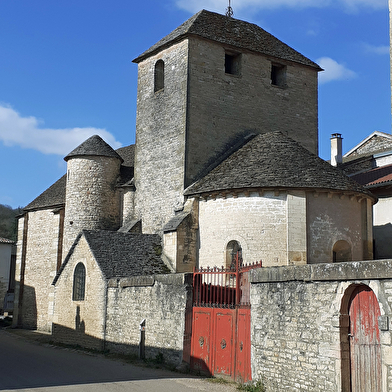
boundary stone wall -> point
(296, 323)
(162, 301)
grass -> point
(257, 386)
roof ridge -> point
(230, 31)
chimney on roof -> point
(336, 149)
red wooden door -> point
(201, 340)
(242, 350)
(365, 349)
(223, 342)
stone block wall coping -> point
(355, 270)
(149, 280)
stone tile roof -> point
(378, 176)
(122, 254)
(6, 241)
(54, 196)
(127, 168)
(233, 32)
(127, 154)
(174, 222)
(93, 146)
(273, 160)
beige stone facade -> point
(225, 160)
(284, 228)
(81, 321)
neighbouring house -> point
(7, 275)
(370, 164)
(224, 173)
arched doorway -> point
(361, 356)
(232, 248)
(341, 252)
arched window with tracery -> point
(159, 76)
(341, 252)
(232, 249)
(79, 283)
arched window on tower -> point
(79, 283)
(159, 76)
(341, 252)
(232, 249)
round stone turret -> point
(92, 201)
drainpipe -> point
(336, 149)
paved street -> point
(27, 366)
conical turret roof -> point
(93, 146)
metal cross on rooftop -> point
(229, 11)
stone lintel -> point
(354, 270)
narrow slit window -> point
(79, 283)
(278, 75)
(159, 76)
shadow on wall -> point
(382, 241)
(27, 308)
(78, 337)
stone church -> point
(225, 160)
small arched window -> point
(341, 252)
(232, 249)
(159, 75)
(79, 282)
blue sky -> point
(66, 72)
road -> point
(28, 366)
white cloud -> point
(26, 132)
(333, 70)
(238, 5)
(382, 49)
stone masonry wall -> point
(160, 300)
(334, 217)
(80, 322)
(40, 270)
(258, 223)
(296, 323)
(160, 138)
(223, 106)
(92, 201)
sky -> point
(66, 72)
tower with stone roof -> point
(91, 200)
(201, 90)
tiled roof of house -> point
(376, 143)
(233, 32)
(377, 176)
(93, 146)
(6, 241)
(273, 160)
(54, 196)
(122, 254)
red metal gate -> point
(220, 343)
(365, 349)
